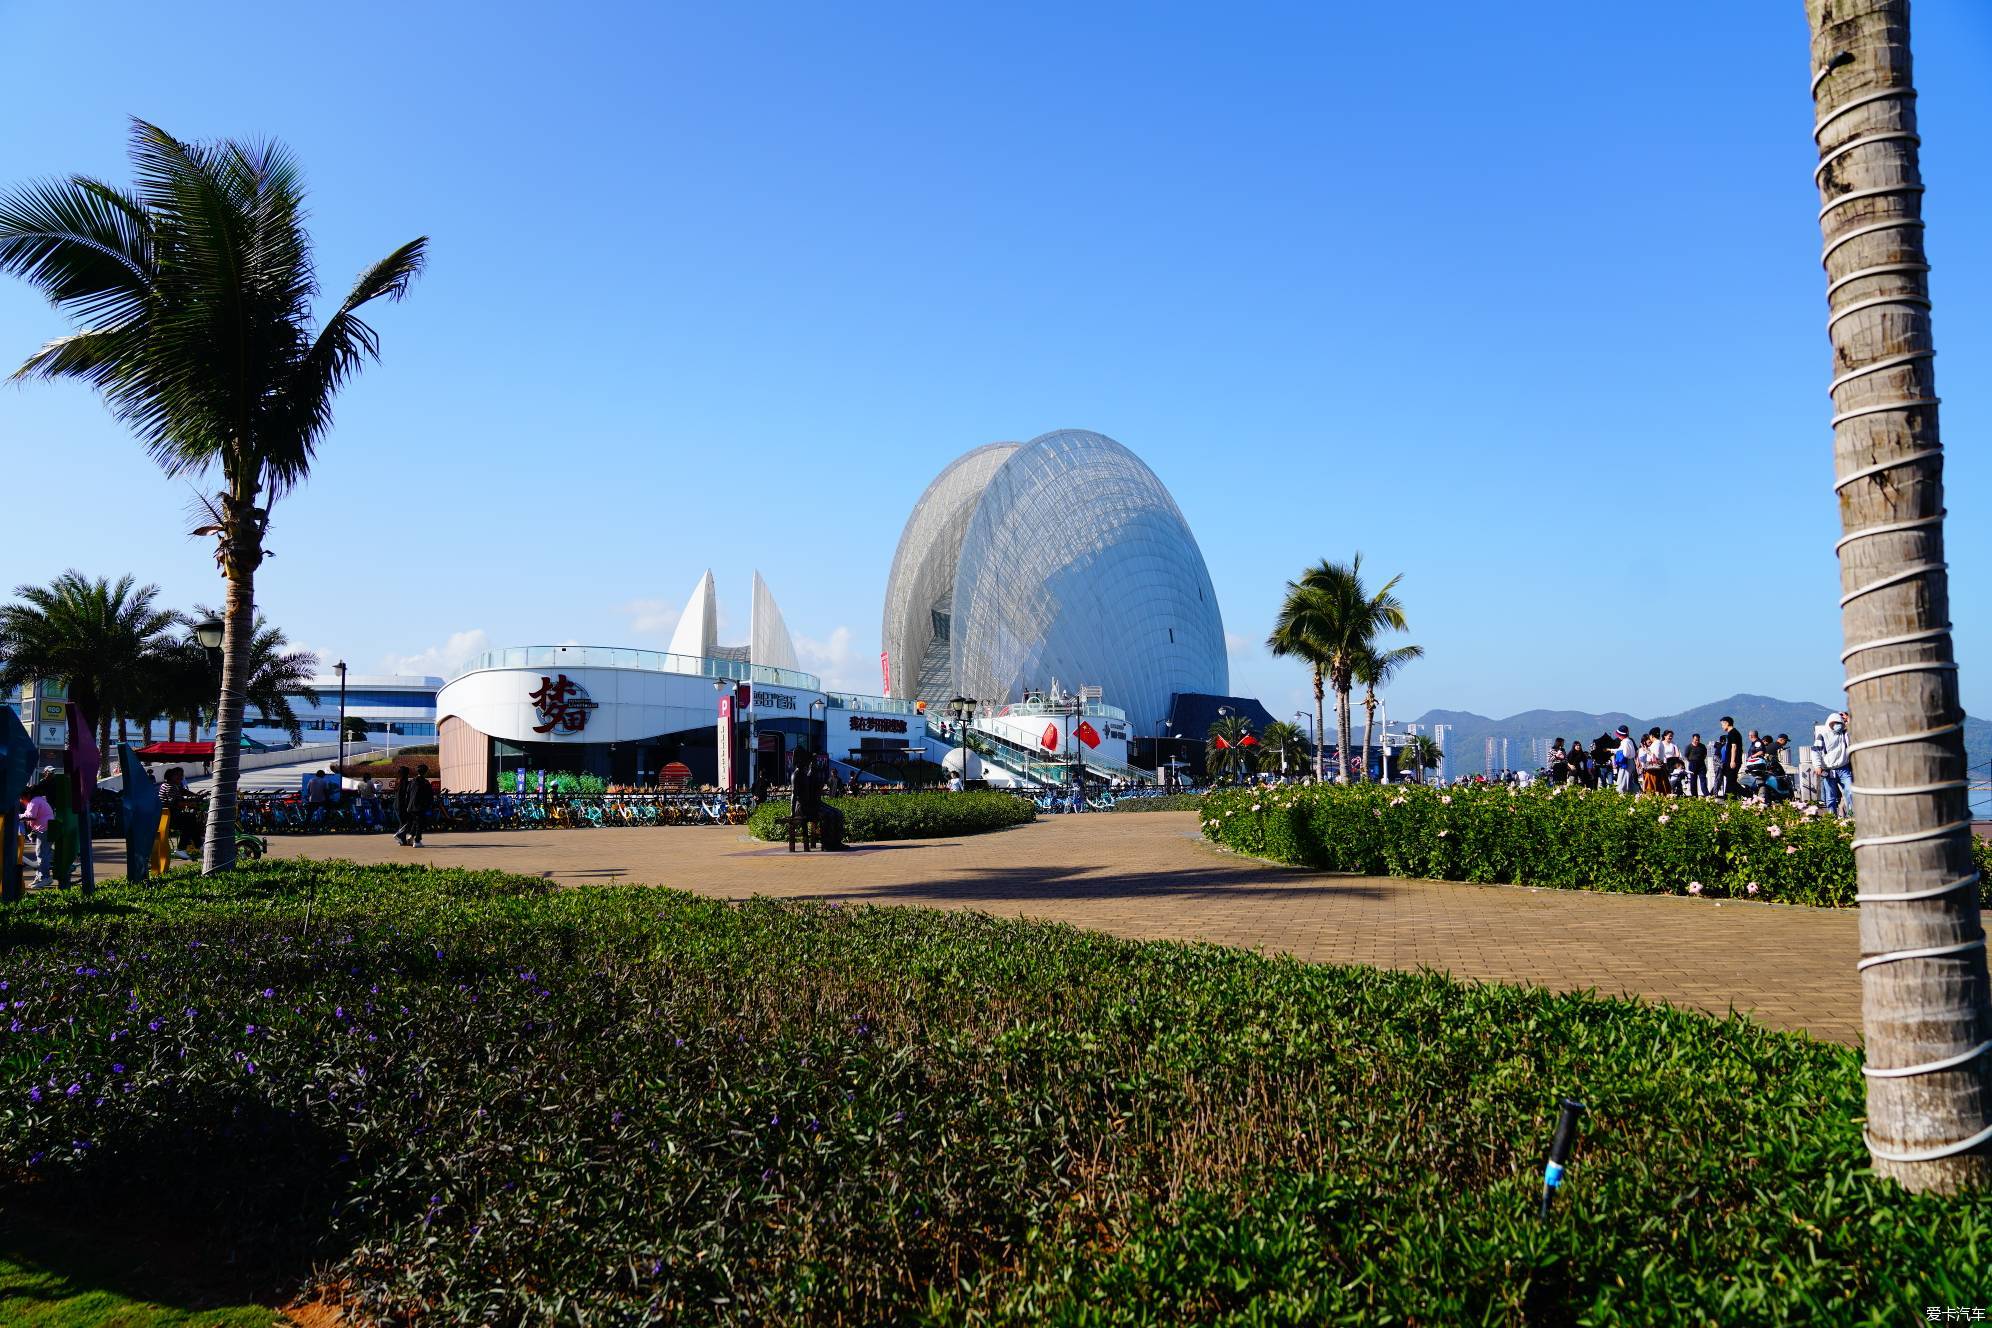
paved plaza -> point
(1152, 877)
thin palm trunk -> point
(1320, 727)
(1369, 727)
(242, 552)
(1923, 972)
(1344, 730)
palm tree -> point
(94, 635)
(1328, 620)
(1228, 749)
(1923, 971)
(1419, 752)
(1284, 744)
(1375, 668)
(194, 293)
(275, 674)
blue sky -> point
(726, 285)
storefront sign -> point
(725, 742)
(562, 705)
(876, 724)
(767, 700)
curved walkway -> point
(1151, 876)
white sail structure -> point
(697, 633)
(769, 643)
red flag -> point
(1049, 739)
(1086, 734)
(1217, 741)
(1248, 741)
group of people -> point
(1736, 765)
(414, 797)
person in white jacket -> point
(1836, 776)
(1625, 766)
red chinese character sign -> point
(562, 706)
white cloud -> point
(445, 660)
(651, 615)
(1235, 644)
(838, 662)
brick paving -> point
(1152, 877)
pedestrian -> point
(1696, 756)
(36, 817)
(1625, 761)
(413, 798)
(1652, 778)
(1728, 760)
(954, 782)
(1582, 772)
(1836, 775)
(1559, 762)
(316, 792)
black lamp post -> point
(208, 632)
(963, 710)
(1162, 727)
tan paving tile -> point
(1151, 876)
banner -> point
(725, 738)
(885, 673)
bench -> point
(809, 827)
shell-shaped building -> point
(1061, 559)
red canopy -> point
(177, 751)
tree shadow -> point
(1086, 884)
(225, 1200)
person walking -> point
(1625, 761)
(1696, 755)
(36, 817)
(1559, 763)
(1836, 775)
(413, 798)
(1652, 777)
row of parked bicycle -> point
(289, 814)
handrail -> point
(651, 661)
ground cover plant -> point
(876, 816)
(1566, 837)
(1162, 802)
(452, 1097)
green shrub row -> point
(1165, 802)
(1569, 838)
(465, 1098)
(875, 816)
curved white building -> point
(1061, 559)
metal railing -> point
(651, 661)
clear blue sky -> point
(725, 285)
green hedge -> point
(1569, 838)
(875, 816)
(1162, 802)
(467, 1098)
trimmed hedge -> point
(466, 1098)
(875, 816)
(1568, 838)
(1161, 802)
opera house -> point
(1054, 581)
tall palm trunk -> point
(1923, 970)
(1369, 728)
(242, 552)
(1344, 729)
(1320, 729)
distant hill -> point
(1466, 738)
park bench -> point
(810, 828)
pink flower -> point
(1445, 797)
(1751, 888)
(1444, 833)
(1663, 818)
(1694, 887)
(1776, 832)
(1790, 849)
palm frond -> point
(85, 246)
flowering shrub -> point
(1161, 802)
(875, 816)
(466, 1098)
(1569, 838)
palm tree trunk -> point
(1320, 729)
(1343, 730)
(1369, 727)
(244, 552)
(1923, 970)
(104, 746)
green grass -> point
(468, 1098)
(32, 1296)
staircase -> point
(1034, 766)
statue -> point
(17, 759)
(141, 813)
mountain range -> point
(1467, 733)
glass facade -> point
(656, 661)
(1061, 559)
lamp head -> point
(208, 632)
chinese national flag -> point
(1248, 741)
(1219, 743)
(1049, 739)
(1087, 734)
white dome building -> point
(1061, 559)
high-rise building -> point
(1439, 732)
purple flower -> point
(153, 1025)
(252, 1067)
(117, 1067)
(249, 1028)
(34, 1094)
(74, 1089)
(269, 992)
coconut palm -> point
(1284, 745)
(1923, 974)
(1229, 746)
(193, 296)
(1375, 668)
(93, 635)
(276, 675)
(1328, 620)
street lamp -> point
(821, 744)
(341, 666)
(208, 632)
(963, 710)
(1162, 726)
